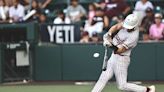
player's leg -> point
(103, 79)
(120, 70)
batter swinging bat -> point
(105, 59)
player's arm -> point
(120, 50)
(110, 34)
(128, 43)
(114, 29)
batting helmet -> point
(130, 21)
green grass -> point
(64, 88)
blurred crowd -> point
(94, 20)
(22, 10)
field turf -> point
(64, 88)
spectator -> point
(117, 19)
(85, 37)
(9, 3)
(146, 23)
(17, 11)
(140, 8)
(43, 3)
(156, 31)
(99, 23)
(142, 5)
(101, 4)
(114, 8)
(75, 11)
(39, 15)
(3, 10)
(62, 19)
(95, 38)
(91, 12)
(28, 4)
(42, 18)
(35, 6)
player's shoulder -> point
(134, 34)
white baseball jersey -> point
(127, 39)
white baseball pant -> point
(117, 65)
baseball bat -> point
(105, 59)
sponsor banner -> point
(59, 33)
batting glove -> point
(107, 40)
(106, 43)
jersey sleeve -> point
(130, 42)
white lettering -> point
(66, 29)
(72, 34)
(51, 31)
(59, 35)
(59, 32)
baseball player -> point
(121, 38)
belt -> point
(121, 55)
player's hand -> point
(106, 43)
(107, 40)
(107, 37)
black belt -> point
(122, 55)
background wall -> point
(1, 59)
(76, 62)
